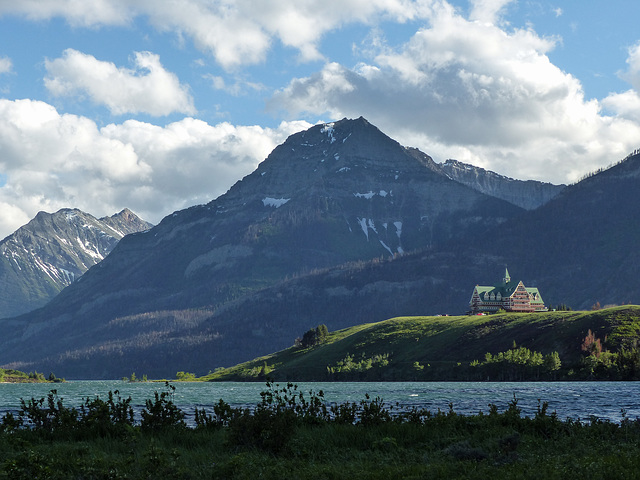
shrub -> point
(373, 412)
(273, 422)
(222, 415)
(113, 417)
(161, 413)
(51, 418)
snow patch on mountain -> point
(328, 128)
(398, 226)
(386, 247)
(368, 196)
(274, 202)
(367, 224)
(363, 225)
(92, 252)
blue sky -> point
(160, 105)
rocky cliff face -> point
(527, 194)
(54, 250)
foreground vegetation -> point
(562, 345)
(291, 434)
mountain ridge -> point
(528, 194)
(52, 251)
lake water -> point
(578, 400)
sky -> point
(158, 105)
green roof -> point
(506, 290)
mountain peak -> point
(52, 250)
(328, 164)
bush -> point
(162, 413)
(49, 418)
(222, 415)
(113, 417)
(274, 421)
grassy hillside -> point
(455, 348)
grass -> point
(441, 343)
(497, 445)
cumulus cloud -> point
(632, 75)
(487, 11)
(627, 104)
(242, 32)
(52, 161)
(235, 33)
(77, 13)
(468, 88)
(148, 88)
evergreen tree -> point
(315, 336)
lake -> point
(577, 400)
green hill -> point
(552, 345)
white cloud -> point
(6, 65)
(236, 33)
(477, 92)
(78, 13)
(487, 11)
(632, 75)
(242, 32)
(627, 104)
(148, 88)
(236, 88)
(53, 161)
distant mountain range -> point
(52, 251)
(339, 225)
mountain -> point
(337, 193)
(339, 225)
(579, 249)
(52, 251)
(528, 194)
